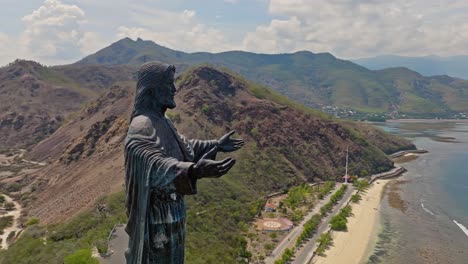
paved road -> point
(306, 251)
(118, 245)
(290, 240)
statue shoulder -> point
(141, 126)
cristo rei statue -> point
(162, 166)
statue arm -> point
(145, 157)
(201, 147)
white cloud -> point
(176, 30)
(357, 28)
(53, 34)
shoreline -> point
(429, 120)
(354, 245)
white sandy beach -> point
(353, 246)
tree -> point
(356, 198)
(361, 185)
(338, 223)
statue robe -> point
(157, 164)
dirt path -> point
(16, 214)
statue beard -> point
(171, 104)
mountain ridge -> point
(318, 80)
(427, 65)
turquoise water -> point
(431, 226)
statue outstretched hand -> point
(228, 144)
(207, 168)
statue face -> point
(165, 92)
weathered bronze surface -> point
(162, 166)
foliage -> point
(82, 256)
(339, 221)
(325, 189)
(273, 235)
(67, 239)
(32, 221)
(325, 241)
(309, 229)
(297, 216)
(361, 185)
(102, 246)
(205, 109)
(5, 221)
(325, 209)
(298, 195)
(355, 198)
(9, 206)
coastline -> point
(354, 245)
(429, 120)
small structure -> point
(269, 207)
(274, 224)
(347, 179)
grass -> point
(65, 240)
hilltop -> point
(318, 80)
(35, 99)
(286, 144)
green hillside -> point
(316, 80)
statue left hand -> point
(227, 144)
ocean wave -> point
(427, 210)
(462, 227)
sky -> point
(63, 31)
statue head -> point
(155, 88)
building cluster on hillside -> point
(339, 112)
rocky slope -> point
(35, 100)
(286, 144)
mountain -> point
(286, 144)
(428, 65)
(35, 99)
(320, 80)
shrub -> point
(32, 221)
(361, 185)
(82, 256)
(205, 109)
(102, 246)
(9, 206)
(273, 235)
(338, 223)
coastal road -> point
(304, 254)
(290, 240)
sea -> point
(424, 213)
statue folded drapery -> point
(158, 162)
(162, 167)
